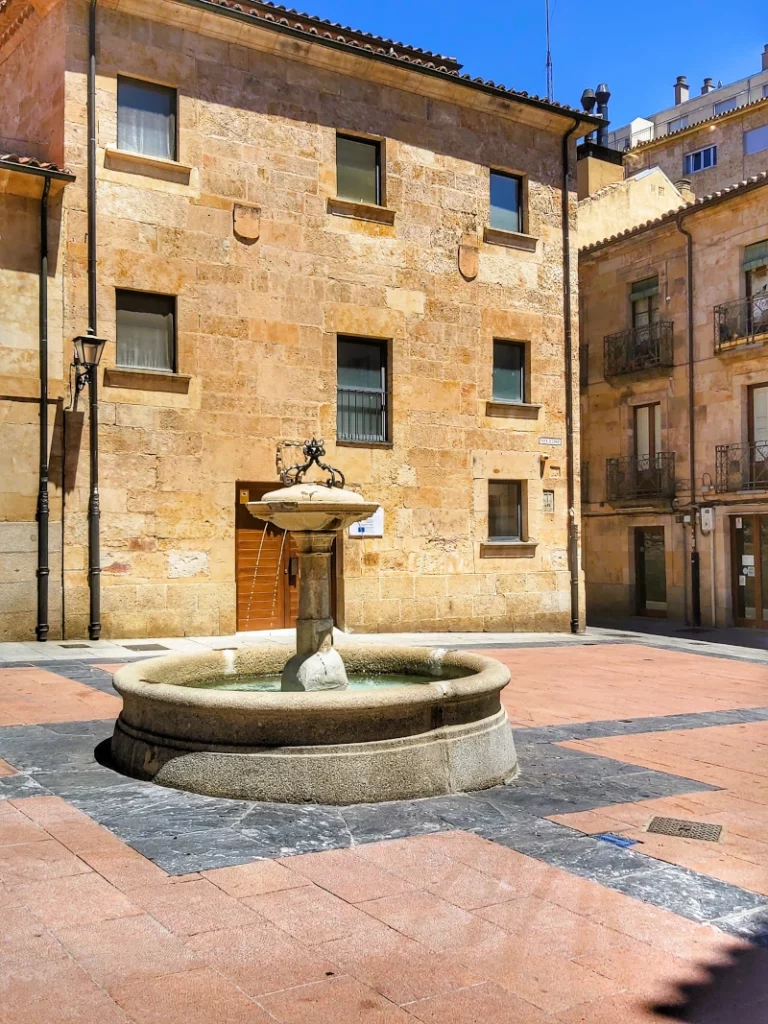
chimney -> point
(602, 95)
(681, 89)
(683, 186)
(765, 58)
(707, 87)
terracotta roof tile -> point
(731, 190)
(29, 161)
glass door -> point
(651, 571)
(749, 536)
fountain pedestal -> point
(316, 665)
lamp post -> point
(88, 350)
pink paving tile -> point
(254, 879)
(549, 928)
(522, 874)
(399, 968)
(54, 991)
(34, 696)
(310, 914)
(333, 1001)
(49, 810)
(127, 950)
(193, 907)
(6, 770)
(22, 938)
(347, 875)
(452, 880)
(624, 1009)
(16, 828)
(480, 1004)
(75, 900)
(549, 982)
(31, 862)
(435, 923)
(193, 997)
(649, 973)
(8, 898)
(261, 958)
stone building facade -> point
(266, 271)
(671, 531)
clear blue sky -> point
(637, 48)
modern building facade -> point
(674, 317)
(281, 229)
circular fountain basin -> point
(420, 723)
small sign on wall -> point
(373, 526)
(548, 501)
(555, 441)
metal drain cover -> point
(685, 829)
(145, 647)
(75, 647)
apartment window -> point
(700, 160)
(505, 512)
(677, 123)
(725, 105)
(647, 434)
(644, 299)
(509, 371)
(145, 331)
(362, 412)
(765, 91)
(506, 201)
(756, 140)
(146, 118)
(755, 267)
(758, 434)
(358, 170)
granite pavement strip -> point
(123, 901)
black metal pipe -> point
(570, 440)
(94, 554)
(695, 569)
(43, 509)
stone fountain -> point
(367, 723)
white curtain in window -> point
(144, 340)
(145, 119)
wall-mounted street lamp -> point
(88, 351)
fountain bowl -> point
(446, 733)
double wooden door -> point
(266, 567)
(749, 538)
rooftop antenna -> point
(550, 82)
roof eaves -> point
(732, 191)
(29, 165)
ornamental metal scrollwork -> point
(314, 451)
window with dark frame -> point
(146, 334)
(358, 169)
(505, 510)
(509, 384)
(146, 118)
(362, 401)
(701, 160)
(644, 299)
(506, 202)
(757, 416)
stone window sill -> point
(360, 211)
(364, 444)
(511, 239)
(150, 166)
(508, 549)
(512, 410)
(146, 380)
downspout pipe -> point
(43, 510)
(695, 561)
(570, 441)
(94, 512)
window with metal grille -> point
(146, 118)
(700, 160)
(505, 512)
(509, 371)
(146, 337)
(358, 170)
(362, 401)
(506, 201)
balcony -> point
(744, 322)
(640, 477)
(640, 348)
(742, 467)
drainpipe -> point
(94, 555)
(43, 567)
(695, 564)
(570, 440)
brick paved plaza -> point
(121, 901)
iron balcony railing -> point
(362, 415)
(742, 467)
(744, 322)
(639, 348)
(641, 476)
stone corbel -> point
(246, 222)
(469, 257)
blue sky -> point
(637, 48)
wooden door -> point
(265, 567)
(650, 571)
(749, 547)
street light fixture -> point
(88, 351)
